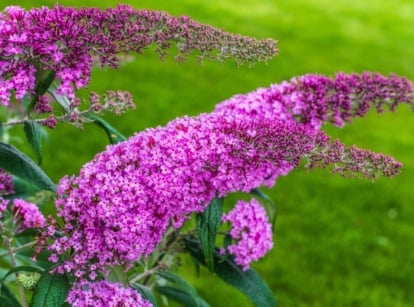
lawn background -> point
(338, 242)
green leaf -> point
(262, 195)
(114, 135)
(22, 188)
(248, 282)
(7, 298)
(201, 302)
(178, 281)
(178, 295)
(25, 101)
(42, 259)
(183, 292)
(208, 223)
(17, 163)
(28, 232)
(227, 240)
(63, 101)
(33, 134)
(44, 83)
(269, 205)
(146, 293)
(51, 290)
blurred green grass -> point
(338, 242)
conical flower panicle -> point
(317, 99)
(119, 207)
(65, 40)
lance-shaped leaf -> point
(17, 163)
(208, 223)
(7, 298)
(51, 290)
(178, 295)
(178, 281)
(181, 291)
(33, 133)
(22, 188)
(249, 282)
(269, 205)
(63, 101)
(43, 84)
(114, 135)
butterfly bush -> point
(134, 190)
(104, 294)
(251, 230)
(65, 40)
(125, 209)
(122, 202)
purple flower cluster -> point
(6, 188)
(65, 40)
(315, 99)
(104, 294)
(27, 214)
(6, 183)
(122, 202)
(251, 230)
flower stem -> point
(20, 248)
(8, 245)
(147, 273)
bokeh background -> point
(338, 242)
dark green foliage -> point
(114, 135)
(17, 163)
(248, 282)
(7, 298)
(208, 222)
(33, 134)
(51, 290)
(180, 291)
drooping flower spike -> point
(65, 40)
(121, 204)
(316, 99)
